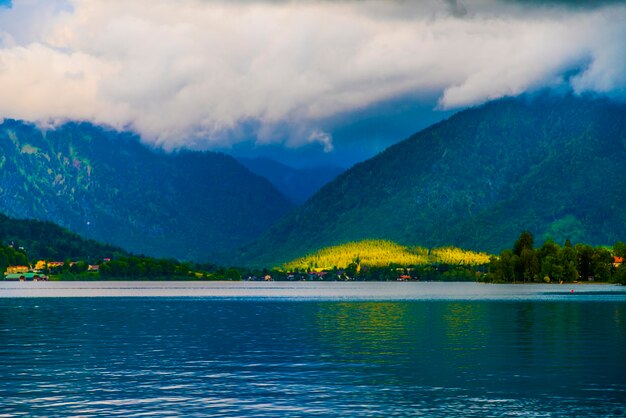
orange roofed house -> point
(17, 269)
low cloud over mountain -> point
(204, 73)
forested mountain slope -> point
(553, 165)
(108, 186)
(45, 240)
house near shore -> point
(25, 277)
(40, 265)
(17, 269)
(617, 261)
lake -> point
(311, 349)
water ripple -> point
(207, 357)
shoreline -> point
(346, 291)
(187, 280)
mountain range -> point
(108, 186)
(551, 164)
(554, 165)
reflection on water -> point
(354, 331)
(465, 326)
(139, 356)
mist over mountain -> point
(108, 186)
(298, 184)
(555, 165)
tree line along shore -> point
(368, 260)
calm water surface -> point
(294, 351)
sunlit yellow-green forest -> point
(380, 253)
(454, 255)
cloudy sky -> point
(323, 78)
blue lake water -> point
(311, 349)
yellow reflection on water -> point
(376, 330)
(465, 326)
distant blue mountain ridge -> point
(298, 184)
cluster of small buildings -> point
(38, 272)
(23, 273)
(310, 276)
(265, 278)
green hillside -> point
(46, 241)
(24, 242)
(381, 253)
(552, 165)
(107, 186)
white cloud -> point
(191, 71)
(323, 138)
